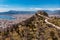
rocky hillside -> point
(33, 28)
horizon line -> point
(27, 9)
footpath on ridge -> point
(46, 20)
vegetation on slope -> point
(33, 28)
(55, 21)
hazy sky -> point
(28, 5)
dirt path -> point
(46, 20)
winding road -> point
(46, 20)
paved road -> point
(46, 20)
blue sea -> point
(6, 17)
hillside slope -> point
(33, 28)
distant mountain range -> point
(17, 12)
(55, 12)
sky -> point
(29, 5)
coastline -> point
(6, 24)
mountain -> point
(33, 28)
(50, 12)
(55, 12)
(17, 12)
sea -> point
(7, 17)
